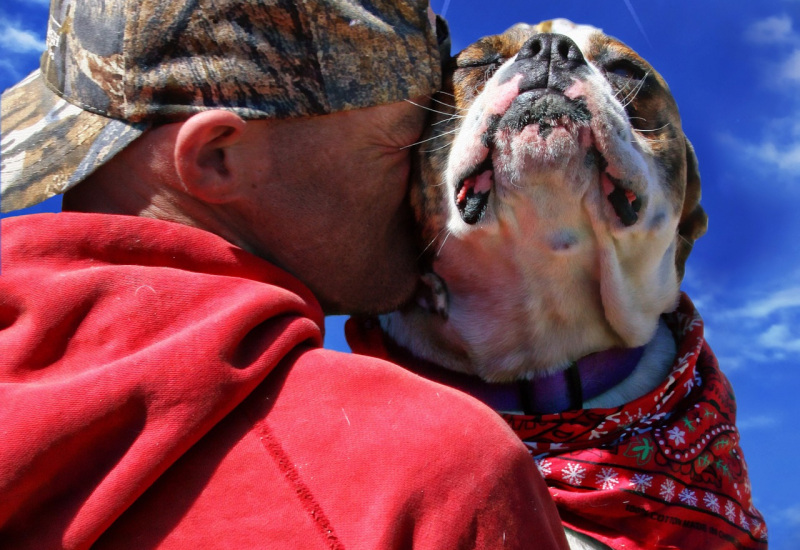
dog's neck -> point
(603, 379)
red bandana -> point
(663, 471)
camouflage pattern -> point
(49, 145)
(122, 65)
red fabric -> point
(162, 388)
(663, 471)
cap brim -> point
(49, 145)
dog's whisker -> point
(618, 93)
(635, 92)
(630, 92)
(451, 110)
(445, 146)
(461, 114)
(437, 136)
(453, 117)
(624, 89)
(427, 108)
(685, 240)
(445, 93)
(421, 254)
(440, 102)
(667, 125)
(512, 180)
(629, 97)
(443, 242)
(660, 140)
(659, 129)
(638, 88)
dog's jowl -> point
(558, 200)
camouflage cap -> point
(113, 68)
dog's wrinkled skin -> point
(558, 202)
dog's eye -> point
(492, 61)
(482, 68)
(625, 71)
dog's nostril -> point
(563, 49)
(538, 44)
(551, 48)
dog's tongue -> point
(479, 183)
(473, 196)
(624, 201)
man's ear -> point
(202, 156)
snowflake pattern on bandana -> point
(665, 467)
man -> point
(232, 170)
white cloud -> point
(789, 516)
(780, 338)
(782, 156)
(772, 30)
(779, 148)
(782, 517)
(790, 68)
(757, 422)
(16, 40)
(779, 300)
(730, 363)
(19, 51)
(772, 322)
(757, 328)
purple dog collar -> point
(586, 378)
(565, 390)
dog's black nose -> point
(552, 48)
(547, 60)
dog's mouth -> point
(625, 203)
(472, 192)
(548, 111)
(472, 196)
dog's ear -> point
(694, 221)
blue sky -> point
(734, 68)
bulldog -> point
(558, 200)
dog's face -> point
(558, 200)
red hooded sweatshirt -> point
(160, 387)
